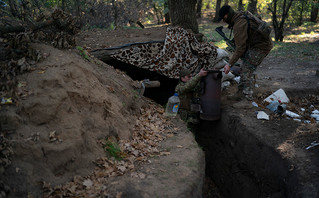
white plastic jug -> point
(172, 105)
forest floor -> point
(68, 101)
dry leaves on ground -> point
(150, 129)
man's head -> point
(226, 13)
(223, 11)
(185, 75)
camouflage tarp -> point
(179, 50)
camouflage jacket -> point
(188, 90)
(245, 39)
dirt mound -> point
(70, 111)
(69, 104)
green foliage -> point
(299, 10)
(82, 52)
(113, 149)
(112, 26)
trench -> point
(237, 163)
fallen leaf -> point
(87, 183)
(165, 153)
(170, 135)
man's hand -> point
(202, 73)
(226, 69)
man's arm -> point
(241, 37)
(182, 88)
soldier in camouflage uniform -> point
(188, 90)
(250, 44)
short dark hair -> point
(223, 11)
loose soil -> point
(69, 106)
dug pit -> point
(247, 157)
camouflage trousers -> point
(253, 58)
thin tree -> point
(166, 12)
(314, 11)
(218, 3)
(279, 25)
(199, 8)
(183, 14)
(115, 10)
(301, 11)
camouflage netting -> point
(180, 50)
(16, 53)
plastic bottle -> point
(172, 105)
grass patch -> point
(113, 149)
(304, 51)
(83, 53)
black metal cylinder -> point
(210, 99)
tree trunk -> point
(115, 13)
(240, 5)
(199, 9)
(279, 27)
(314, 11)
(166, 15)
(183, 14)
(218, 3)
(303, 4)
(252, 6)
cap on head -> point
(223, 11)
(184, 72)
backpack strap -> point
(248, 22)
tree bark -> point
(252, 6)
(183, 14)
(218, 3)
(199, 8)
(314, 11)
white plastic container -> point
(292, 114)
(172, 105)
(279, 96)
